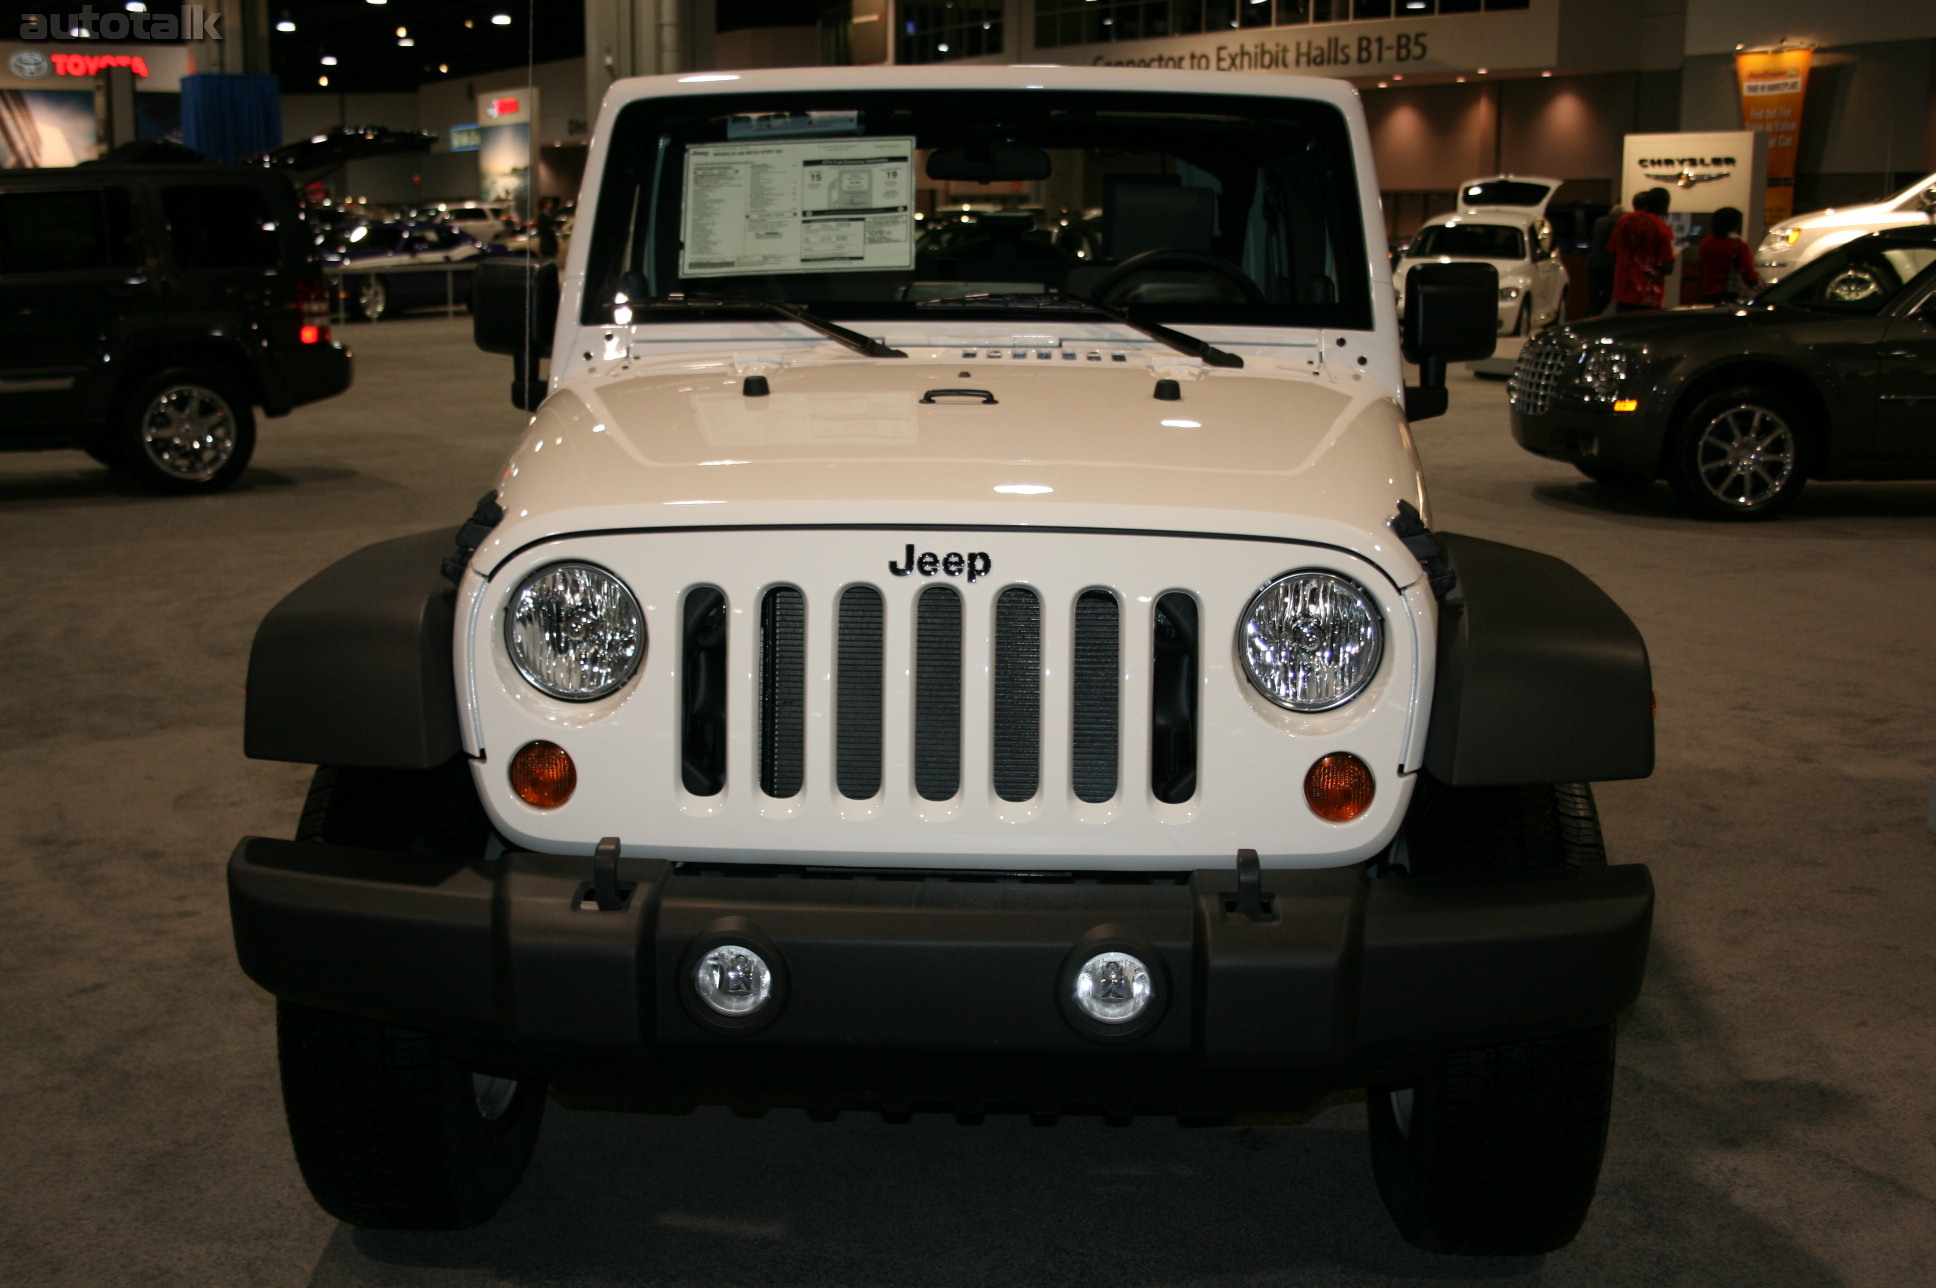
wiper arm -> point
(813, 321)
(1187, 344)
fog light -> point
(1114, 988)
(542, 775)
(733, 980)
(1338, 787)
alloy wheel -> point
(188, 432)
(1745, 456)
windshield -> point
(1468, 241)
(1860, 278)
(857, 204)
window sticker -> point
(798, 206)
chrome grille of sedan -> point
(1536, 377)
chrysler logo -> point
(1686, 178)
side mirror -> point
(514, 310)
(1927, 200)
(1451, 315)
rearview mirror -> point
(989, 162)
(1451, 315)
(514, 310)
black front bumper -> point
(1626, 442)
(1346, 980)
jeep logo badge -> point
(953, 564)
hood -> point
(1311, 453)
(1902, 207)
(1669, 327)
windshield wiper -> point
(1188, 344)
(832, 330)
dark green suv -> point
(146, 311)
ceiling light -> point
(285, 25)
(1480, 70)
(1546, 73)
(322, 80)
(135, 6)
(500, 20)
(406, 43)
(403, 31)
(328, 60)
(443, 67)
(468, 23)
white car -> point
(1500, 220)
(486, 223)
(977, 676)
(1794, 242)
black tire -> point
(182, 431)
(392, 1134)
(1497, 1151)
(1614, 478)
(1482, 832)
(369, 298)
(390, 1131)
(1739, 454)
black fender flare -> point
(354, 667)
(1541, 677)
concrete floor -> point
(1776, 1120)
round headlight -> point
(574, 631)
(1311, 641)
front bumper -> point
(1346, 980)
(1629, 442)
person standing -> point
(1727, 266)
(1643, 254)
(1599, 262)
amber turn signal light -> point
(542, 775)
(1338, 787)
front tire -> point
(182, 431)
(1497, 1151)
(390, 1131)
(1739, 455)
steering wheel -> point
(1163, 257)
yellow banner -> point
(1772, 89)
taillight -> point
(312, 301)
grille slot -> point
(937, 694)
(1097, 680)
(1173, 706)
(1536, 376)
(702, 722)
(1018, 694)
(783, 691)
(857, 696)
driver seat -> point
(1159, 215)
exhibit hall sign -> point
(1773, 85)
(1459, 43)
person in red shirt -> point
(1724, 253)
(1643, 254)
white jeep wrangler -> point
(915, 660)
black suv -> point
(147, 310)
